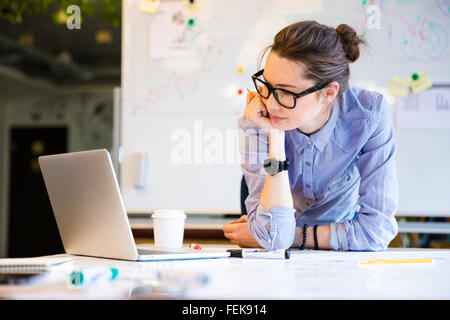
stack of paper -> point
(31, 265)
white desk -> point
(306, 275)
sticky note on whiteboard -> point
(399, 86)
(422, 82)
(192, 6)
(149, 6)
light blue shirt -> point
(344, 176)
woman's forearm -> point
(276, 190)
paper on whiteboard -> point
(192, 7)
(399, 86)
(421, 84)
(168, 32)
(428, 109)
(149, 6)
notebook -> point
(31, 265)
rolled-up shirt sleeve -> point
(374, 226)
(275, 228)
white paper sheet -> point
(168, 32)
(429, 109)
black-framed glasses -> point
(284, 97)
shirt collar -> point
(319, 138)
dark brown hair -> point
(324, 51)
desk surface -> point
(307, 274)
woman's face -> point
(307, 116)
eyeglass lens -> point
(284, 98)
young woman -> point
(338, 188)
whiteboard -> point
(191, 98)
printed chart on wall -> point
(187, 66)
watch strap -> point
(283, 165)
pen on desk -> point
(395, 261)
(87, 277)
(259, 253)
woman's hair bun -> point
(350, 41)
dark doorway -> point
(32, 226)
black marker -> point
(259, 253)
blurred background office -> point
(56, 95)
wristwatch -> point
(273, 166)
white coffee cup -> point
(168, 227)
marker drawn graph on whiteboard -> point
(423, 37)
(178, 85)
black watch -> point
(273, 166)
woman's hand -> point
(238, 233)
(256, 112)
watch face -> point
(271, 166)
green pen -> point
(90, 276)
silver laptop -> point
(90, 213)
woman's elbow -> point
(284, 240)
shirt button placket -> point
(307, 169)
